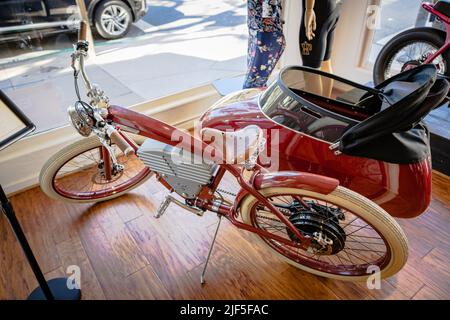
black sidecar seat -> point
(443, 6)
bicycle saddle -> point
(236, 146)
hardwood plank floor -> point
(123, 252)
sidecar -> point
(372, 140)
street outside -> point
(178, 45)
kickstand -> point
(202, 277)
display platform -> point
(228, 85)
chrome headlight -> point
(81, 117)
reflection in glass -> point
(292, 103)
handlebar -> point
(82, 33)
(98, 99)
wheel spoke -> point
(367, 237)
(354, 255)
(360, 228)
(415, 54)
(368, 242)
(123, 15)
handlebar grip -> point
(121, 143)
(82, 33)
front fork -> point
(111, 165)
(107, 168)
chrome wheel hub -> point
(115, 19)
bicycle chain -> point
(227, 192)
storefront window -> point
(143, 50)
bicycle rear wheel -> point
(360, 235)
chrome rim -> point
(413, 54)
(115, 19)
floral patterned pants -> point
(264, 51)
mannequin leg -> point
(327, 83)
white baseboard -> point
(21, 163)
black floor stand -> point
(55, 289)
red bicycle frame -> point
(446, 21)
(137, 123)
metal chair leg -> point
(202, 278)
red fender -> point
(300, 180)
(291, 179)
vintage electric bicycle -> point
(304, 210)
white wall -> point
(349, 42)
(292, 16)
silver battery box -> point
(183, 171)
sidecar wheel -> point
(365, 238)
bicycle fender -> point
(298, 180)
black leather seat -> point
(443, 6)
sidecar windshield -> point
(296, 101)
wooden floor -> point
(125, 253)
